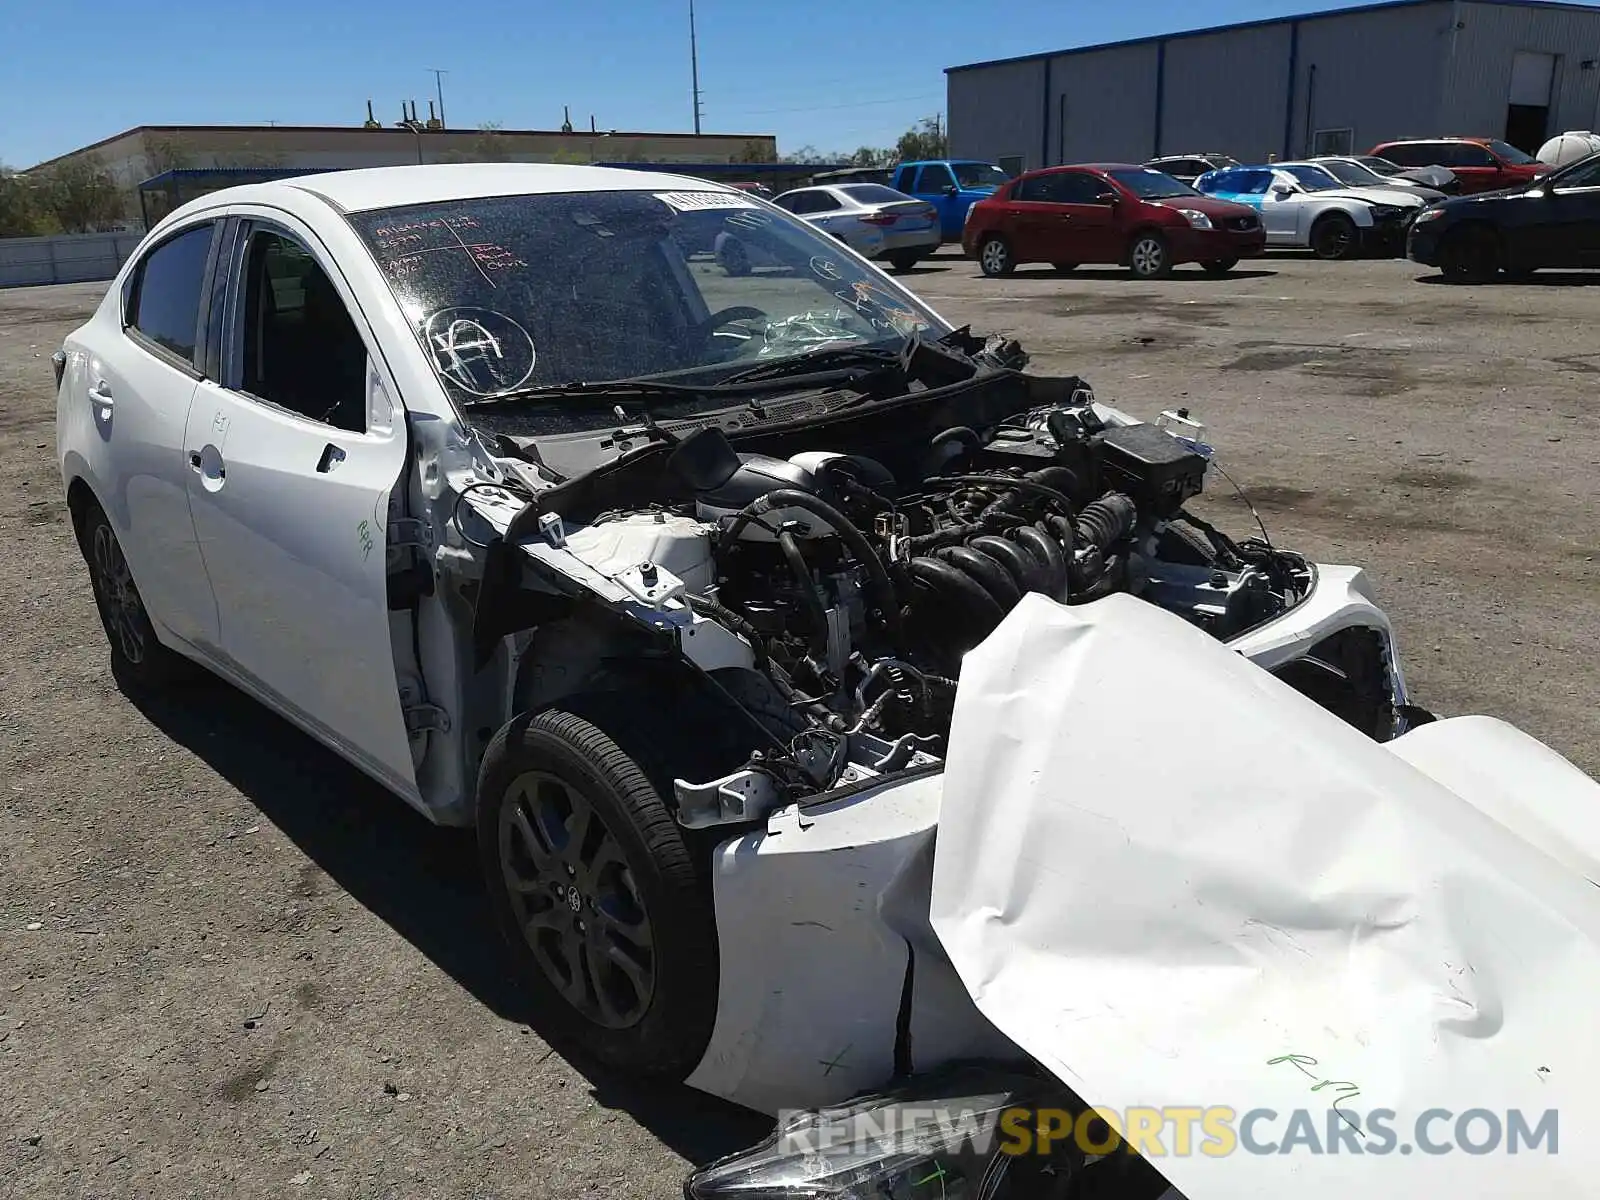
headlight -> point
(1384, 211)
(963, 1133)
(1195, 218)
(1429, 214)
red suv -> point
(1482, 164)
(1108, 213)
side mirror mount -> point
(1283, 191)
(951, 189)
(1106, 198)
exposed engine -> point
(860, 591)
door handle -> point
(100, 393)
(332, 456)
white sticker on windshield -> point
(699, 201)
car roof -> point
(1095, 166)
(1477, 141)
(391, 187)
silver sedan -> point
(874, 220)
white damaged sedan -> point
(665, 578)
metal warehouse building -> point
(1323, 83)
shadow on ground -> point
(1534, 279)
(1184, 273)
(419, 879)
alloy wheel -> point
(995, 257)
(1147, 257)
(576, 900)
(119, 598)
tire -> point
(1470, 255)
(139, 662)
(1219, 266)
(1148, 257)
(994, 256)
(733, 258)
(1334, 238)
(904, 262)
(574, 910)
(1065, 268)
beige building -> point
(146, 151)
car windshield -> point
(1380, 166)
(1152, 185)
(873, 193)
(972, 175)
(1506, 152)
(513, 292)
(1313, 179)
(1351, 173)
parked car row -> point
(1471, 206)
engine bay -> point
(830, 594)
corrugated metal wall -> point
(1103, 105)
(996, 112)
(1378, 74)
(1478, 78)
(1225, 92)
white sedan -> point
(662, 578)
(874, 219)
(1302, 204)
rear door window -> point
(1413, 154)
(164, 304)
(1467, 154)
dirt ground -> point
(229, 965)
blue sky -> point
(832, 73)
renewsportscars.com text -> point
(1179, 1131)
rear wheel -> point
(1334, 237)
(1148, 257)
(903, 262)
(1470, 255)
(1065, 268)
(138, 660)
(994, 256)
(593, 887)
(1219, 266)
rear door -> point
(1034, 221)
(138, 390)
(290, 484)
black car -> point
(1552, 222)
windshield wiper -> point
(826, 359)
(643, 390)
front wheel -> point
(592, 885)
(1148, 257)
(1470, 256)
(1334, 237)
(1219, 266)
(994, 257)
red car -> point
(1482, 164)
(1108, 213)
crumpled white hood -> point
(1158, 869)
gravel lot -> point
(231, 965)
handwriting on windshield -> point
(1303, 1063)
(411, 243)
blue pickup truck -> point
(951, 185)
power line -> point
(760, 112)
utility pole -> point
(438, 87)
(694, 68)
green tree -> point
(22, 213)
(869, 156)
(81, 194)
(926, 139)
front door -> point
(290, 493)
(936, 185)
(1565, 229)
